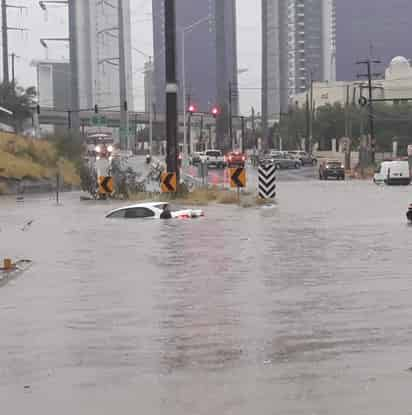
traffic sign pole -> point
(171, 88)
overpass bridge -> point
(111, 119)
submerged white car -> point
(153, 210)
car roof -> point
(149, 205)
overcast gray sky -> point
(54, 24)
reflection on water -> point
(303, 308)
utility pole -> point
(347, 130)
(307, 121)
(188, 103)
(231, 115)
(311, 115)
(171, 88)
(74, 68)
(254, 129)
(5, 38)
(369, 75)
(189, 134)
(242, 144)
(5, 42)
(124, 118)
(347, 112)
(13, 71)
(150, 108)
(201, 133)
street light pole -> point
(74, 67)
(5, 42)
(124, 118)
(184, 161)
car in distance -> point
(304, 157)
(235, 159)
(214, 158)
(152, 211)
(331, 168)
(196, 158)
(393, 173)
(282, 160)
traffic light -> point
(215, 111)
(125, 106)
(38, 109)
(96, 109)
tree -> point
(19, 101)
(329, 122)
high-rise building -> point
(98, 52)
(380, 29)
(149, 88)
(275, 59)
(53, 84)
(210, 52)
(299, 45)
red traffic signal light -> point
(215, 111)
(191, 109)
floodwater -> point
(303, 308)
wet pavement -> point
(303, 308)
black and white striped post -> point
(267, 181)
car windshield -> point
(334, 164)
(214, 153)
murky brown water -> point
(301, 309)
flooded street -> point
(304, 308)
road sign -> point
(123, 130)
(267, 181)
(98, 120)
(168, 182)
(106, 185)
(237, 177)
(363, 101)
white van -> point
(393, 173)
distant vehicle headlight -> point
(110, 148)
(97, 149)
(98, 158)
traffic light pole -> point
(171, 88)
(74, 68)
(231, 117)
(189, 133)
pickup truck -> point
(235, 159)
(214, 158)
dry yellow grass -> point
(22, 157)
(19, 167)
(3, 189)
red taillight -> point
(184, 217)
